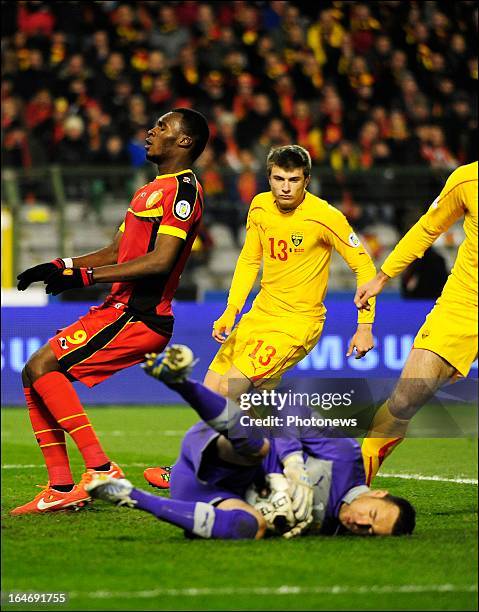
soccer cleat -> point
(158, 477)
(50, 500)
(172, 366)
(375, 451)
(108, 488)
(115, 471)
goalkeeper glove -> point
(262, 503)
(222, 327)
(172, 366)
(298, 529)
(40, 272)
(281, 502)
(71, 278)
(301, 488)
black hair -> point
(406, 521)
(195, 126)
(289, 157)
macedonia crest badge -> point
(297, 238)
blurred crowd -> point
(359, 84)
(380, 86)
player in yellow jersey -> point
(446, 344)
(293, 233)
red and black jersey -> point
(170, 204)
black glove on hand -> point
(71, 278)
(38, 273)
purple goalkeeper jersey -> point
(335, 467)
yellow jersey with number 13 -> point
(296, 248)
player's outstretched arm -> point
(362, 341)
(159, 261)
(105, 256)
(40, 272)
(369, 290)
(348, 245)
(223, 326)
(246, 271)
(447, 208)
(340, 235)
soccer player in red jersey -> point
(144, 261)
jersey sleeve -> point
(180, 210)
(337, 232)
(248, 263)
(446, 209)
(287, 444)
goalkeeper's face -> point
(287, 187)
(370, 514)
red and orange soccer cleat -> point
(158, 477)
(50, 500)
(115, 471)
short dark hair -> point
(195, 126)
(289, 157)
(406, 521)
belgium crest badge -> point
(154, 198)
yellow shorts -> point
(450, 330)
(265, 346)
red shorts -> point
(104, 341)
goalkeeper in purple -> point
(232, 481)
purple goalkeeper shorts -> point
(200, 476)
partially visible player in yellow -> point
(446, 345)
(293, 233)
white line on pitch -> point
(473, 481)
(18, 466)
(431, 478)
(282, 590)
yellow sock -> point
(386, 425)
(385, 433)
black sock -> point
(103, 468)
(63, 488)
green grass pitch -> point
(110, 558)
